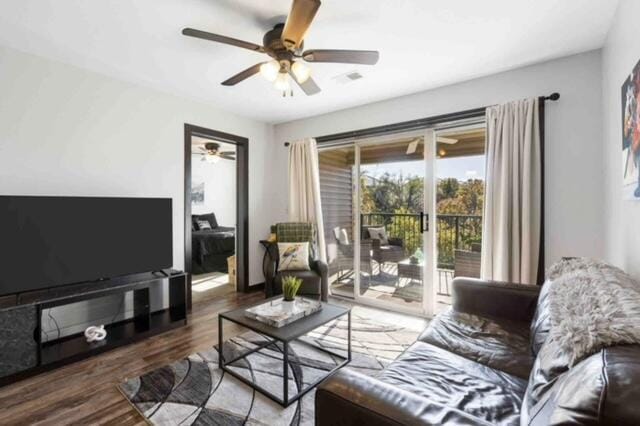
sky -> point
(461, 168)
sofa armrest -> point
(351, 398)
(515, 302)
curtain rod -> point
(414, 124)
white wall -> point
(67, 131)
(622, 218)
(574, 188)
(219, 188)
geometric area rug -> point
(194, 391)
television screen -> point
(52, 241)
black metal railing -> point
(454, 232)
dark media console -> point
(24, 353)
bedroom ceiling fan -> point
(211, 153)
(285, 45)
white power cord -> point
(95, 334)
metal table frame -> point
(286, 400)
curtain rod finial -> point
(553, 97)
(287, 144)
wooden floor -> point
(85, 392)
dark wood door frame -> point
(242, 202)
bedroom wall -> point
(573, 155)
(68, 131)
(622, 218)
(219, 189)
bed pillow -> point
(379, 234)
(293, 256)
(209, 217)
(203, 225)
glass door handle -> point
(424, 222)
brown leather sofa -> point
(476, 364)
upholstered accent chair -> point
(383, 253)
(315, 282)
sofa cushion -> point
(497, 343)
(457, 382)
(540, 326)
(601, 389)
(586, 307)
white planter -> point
(287, 306)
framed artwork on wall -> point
(197, 193)
(631, 135)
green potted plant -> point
(290, 287)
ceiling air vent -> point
(348, 77)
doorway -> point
(216, 218)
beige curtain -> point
(512, 203)
(304, 188)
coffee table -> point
(284, 335)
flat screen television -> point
(53, 241)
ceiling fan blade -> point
(227, 157)
(242, 75)
(366, 57)
(449, 141)
(309, 87)
(222, 39)
(298, 22)
(227, 152)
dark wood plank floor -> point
(86, 393)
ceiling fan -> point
(211, 153)
(285, 45)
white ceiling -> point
(422, 43)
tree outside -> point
(395, 201)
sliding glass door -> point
(377, 199)
(337, 188)
(393, 211)
(459, 165)
(403, 216)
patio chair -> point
(466, 264)
(383, 253)
(345, 255)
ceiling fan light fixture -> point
(284, 43)
(282, 82)
(212, 159)
(301, 72)
(270, 70)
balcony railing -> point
(454, 232)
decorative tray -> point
(278, 313)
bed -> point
(210, 248)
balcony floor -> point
(384, 285)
